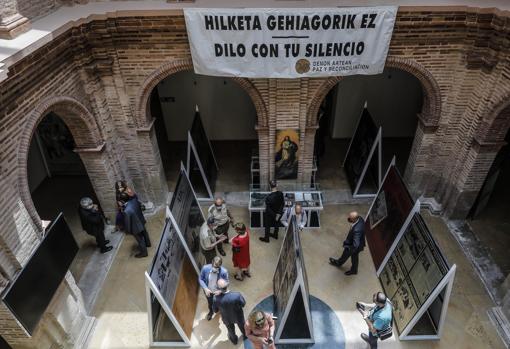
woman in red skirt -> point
(241, 251)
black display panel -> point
(358, 153)
(188, 215)
(31, 292)
(205, 152)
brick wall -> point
(98, 77)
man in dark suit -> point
(230, 305)
(92, 221)
(134, 223)
(353, 244)
(273, 212)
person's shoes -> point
(223, 253)
(238, 278)
(141, 255)
(364, 336)
(247, 273)
(233, 340)
(209, 316)
(106, 242)
(350, 272)
(264, 239)
(334, 262)
(148, 245)
(106, 249)
(274, 236)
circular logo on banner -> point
(303, 66)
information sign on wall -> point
(290, 43)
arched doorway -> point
(228, 116)
(62, 157)
(57, 180)
(394, 99)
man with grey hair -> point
(92, 221)
(230, 305)
(294, 211)
(353, 244)
(222, 220)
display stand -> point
(414, 273)
(171, 290)
(200, 157)
(188, 216)
(291, 293)
(365, 143)
(255, 172)
(311, 203)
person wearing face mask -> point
(208, 280)
(379, 319)
(208, 240)
(230, 305)
(259, 329)
(297, 210)
(222, 220)
(353, 244)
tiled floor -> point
(121, 309)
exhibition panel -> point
(291, 292)
(188, 216)
(171, 290)
(412, 270)
(387, 215)
(362, 162)
(31, 292)
(201, 163)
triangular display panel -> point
(164, 329)
(297, 328)
(369, 182)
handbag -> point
(236, 249)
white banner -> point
(290, 43)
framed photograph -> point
(379, 210)
(286, 154)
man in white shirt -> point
(222, 219)
(298, 212)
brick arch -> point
(431, 110)
(494, 128)
(142, 116)
(80, 122)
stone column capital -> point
(13, 25)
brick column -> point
(464, 190)
(418, 174)
(264, 154)
(306, 157)
(12, 23)
(157, 187)
(101, 176)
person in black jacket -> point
(134, 223)
(92, 221)
(273, 212)
(353, 244)
(230, 305)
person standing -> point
(298, 212)
(208, 280)
(259, 329)
(208, 240)
(222, 220)
(353, 244)
(134, 223)
(273, 212)
(230, 305)
(241, 251)
(92, 222)
(378, 317)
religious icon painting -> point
(286, 154)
